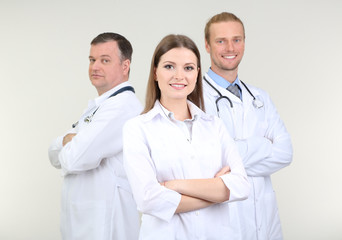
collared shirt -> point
(96, 197)
(223, 82)
(156, 150)
(186, 125)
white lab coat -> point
(158, 150)
(265, 147)
(97, 203)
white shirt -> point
(157, 150)
(97, 203)
(265, 147)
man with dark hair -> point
(252, 120)
(125, 47)
(97, 203)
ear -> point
(126, 64)
(207, 46)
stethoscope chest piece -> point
(257, 103)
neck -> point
(229, 75)
(179, 108)
(102, 90)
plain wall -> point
(293, 51)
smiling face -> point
(226, 47)
(176, 75)
(106, 70)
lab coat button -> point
(197, 213)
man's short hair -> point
(124, 45)
(221, 17)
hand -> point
(172, 184)
(67, 138)
(223, 171)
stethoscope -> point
(89, 118)
(256, 102)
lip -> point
(178, 86)
(96, 76)
(229, 57)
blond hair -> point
(221, 17)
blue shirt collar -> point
(221, 81)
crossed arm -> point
(199, 193)
(67, 138)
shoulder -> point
(126, 102)
(263, 96)
(135, 121)
(213, 121)
(210, 121)
(199, 113)
(141, 125)
(125, 97)
(255, 90)
(144, 118)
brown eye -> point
(168, 66)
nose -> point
(94, 65)
(229, 46)
(179, 74)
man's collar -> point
(222, 82)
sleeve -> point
(236, 181)
(55, 148)
(151, 198)
(100, 139)
(265, 155)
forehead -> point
(226, 30)
(179, 55)
(108, 48)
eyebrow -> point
(101, 56)
(175, 63)
(224, 38)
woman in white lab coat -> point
(182, 164)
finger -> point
(223, 171)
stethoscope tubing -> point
(256, 103)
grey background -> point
(293, 51)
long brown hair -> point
(166, 44)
